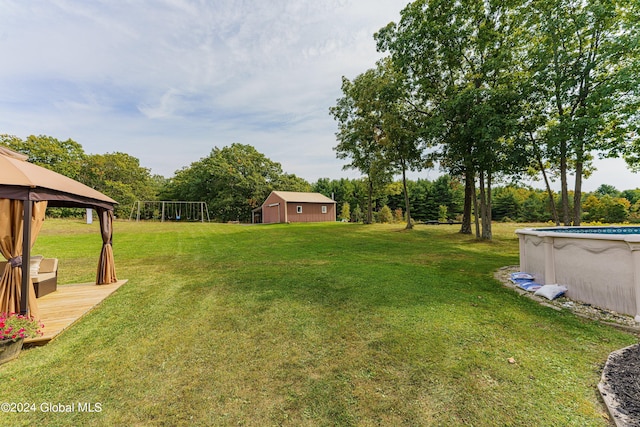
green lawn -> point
(308, 324)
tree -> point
(442, 213)
(117, 175)
(532, 141)
(631, 195)
(120, 176)
(634, 212)
(233, 180)
(341, 190)
(398, 215)
(345, 212)
(421, 199)
(397, 130)
(537, 207)
(64, 157)
(581, 58)
(385, 215)
(507, 203)
(458, 57)
(357, 214)
(291, 182)
(358, 132)
(606, 208)
(448, 192)
(606, 189)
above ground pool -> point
(598, 265)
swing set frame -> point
(169, 210)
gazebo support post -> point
(26, 255)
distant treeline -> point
(234, 180)
(442, 200)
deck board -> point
(62, 308)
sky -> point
(166, 81)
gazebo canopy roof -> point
(21, 180)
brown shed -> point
(290, 206)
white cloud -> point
(166, 81)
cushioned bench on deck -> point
(46, 279)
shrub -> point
(357, 214)
(397, 215)
(385, 215)
(345, 212)
(443, 213)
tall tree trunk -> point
(370, 203)
(406, 199)
(581, 107)
(487, 233)
(552, 201)
(482, 202)
(577, 195)
(564, 189)
(563, 183)
(475, 214)
(469, 194)
(485, 205)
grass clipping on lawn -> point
(309, 324)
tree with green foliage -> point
(357, 214)
(606, 208)
(582, 60)
(459, 59)
(634, 212)
(426, 197)
(233, 180)
(120, 176)
(421, 199)
(631, 195)
(508, 202)
(592, 208)
(442, 213)
(117, 175)
(531, 138)
(606, 189)
(385, 215)
(291, 182)
(345, 212)
(448, 192)
(398, 129)
(536, 207)
(358, 118)
(64, 157)
(341, 190)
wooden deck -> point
(62, 308)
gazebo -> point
(26, 190)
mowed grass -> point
(305, 325)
